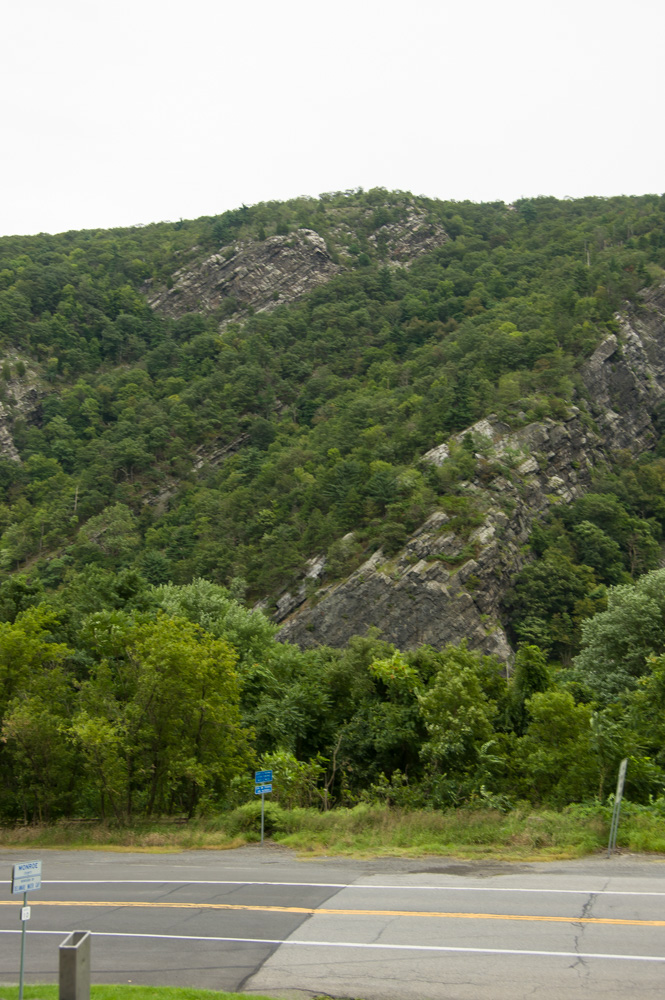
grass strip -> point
(522, 834)
(125, 991)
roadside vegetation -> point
(523, 834)
(164, 702)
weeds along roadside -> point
(524, 833)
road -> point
(258, 920)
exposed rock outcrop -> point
(443, 586)
(256, 274)
(19, 397)
(7, 446)
(260, 275)
(405, 241)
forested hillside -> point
(165, 467)
(185, 450)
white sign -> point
(621, 780)
(25, 913)
(27, 876)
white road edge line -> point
(343, 885)
(372, 946)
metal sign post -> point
(26, 877)
(614, 826)
(74, 979)
(262, 785)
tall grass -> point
(371, 830)
(522, 834)
(150, 837)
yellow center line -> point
(347, 913)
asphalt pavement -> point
(260, 921)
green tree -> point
(113, 532)
(297, 783)
(459, 719)
(27, 651)
(212, 607)
(549, 601)
(165, 701)
(597, 550)
(556, 751)
(43, 765)
(616, 643)
(530, 675)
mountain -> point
(447, 585)
(352, 409)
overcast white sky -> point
(135, 111)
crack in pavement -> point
(580, 964)
(380, 932)
(169, 892)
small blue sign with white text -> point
(262, 789)
(261, 777)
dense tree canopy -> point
(139, 710)
(171, 469)
(234, 446)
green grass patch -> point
(49, 991)
(151, 838)
(523, 834)
(642, 828)
(520, 835)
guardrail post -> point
(75, 966)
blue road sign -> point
(262, 777)
(262, 789)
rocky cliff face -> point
(444, 587)
(263, 274)
(405, 241)
(257, 274)
(19, 397)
